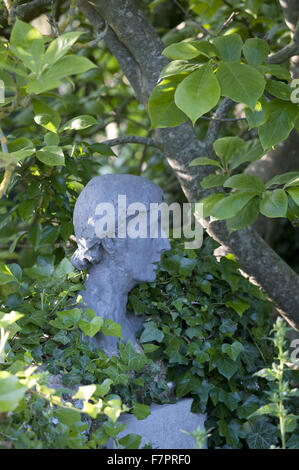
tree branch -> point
(214, 127)
(131, 139)
(31, 10)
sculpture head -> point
(134, 258)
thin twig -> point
(227, 22)
(131, 139)
(188, 16)
(286, 52)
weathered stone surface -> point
(163, 427)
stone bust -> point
(115, 261)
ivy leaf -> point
(68, 417)
(111, 328)
(141, 411)
(233, 350)
(113, 429)
(226, 367)
(91, 328)
(241, 82)
(271, 409)
(64, 67)
(229, 47)
(279, 89)
(187, 50)
(11, 392)
(151, 333)
(274, 203)
(161, 106)
(198, 93)
(176, 67)
(255, 51)
(238, 305)
(85, 392)
(14, 157)
(130, 441)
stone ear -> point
(108, 245)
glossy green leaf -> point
(294, 193)
(111, 328)
(227, 147)
(282, 116)
(259, 115)
(204, 161)
(229, 47)
(198, 93)
(161, 106)
(279, 89)
(59, 47)
(51, 155)
(231, 205)
(255, 51)
(245, 217)
(78, 123)
(241, 82)
(213, 181)
(210, 201)
(141, 411)
(245, 183)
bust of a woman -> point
(115, 249)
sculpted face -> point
(134, 256)
(140, 256)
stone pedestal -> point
(163, 427)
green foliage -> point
(233, 65)
(280, 390)
(206, 325)
(210, 326)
